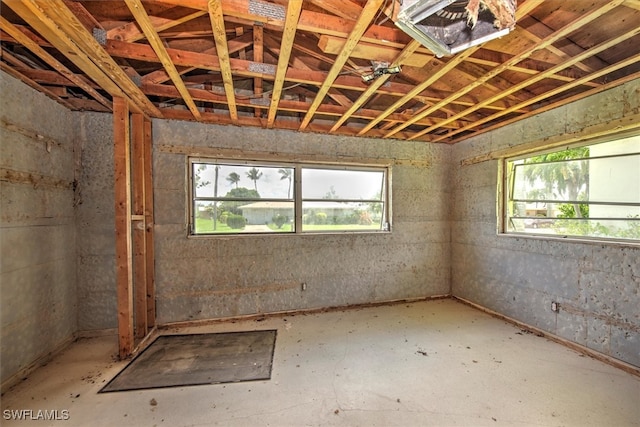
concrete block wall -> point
(596, 284)
(95, 211)
(57, 268)
(213, 277)
(38, 295)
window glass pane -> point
(596, 180)
(242, 181)
(243, 217)
(341, 216)
(610, 228)
(342, 184)
(585, 191)
(236, 197)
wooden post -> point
(124, 261)
(138, 226)
(149, 220)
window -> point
(584, 191)
(252, 197)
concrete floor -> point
(432, 363)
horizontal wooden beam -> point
(626, 125)
(552, 38)
(547, 107)
(363, 22)
(15, 73)
(284, 105)
(245, 68)
(27, 42)
(372, 52)
(547, 95)
(131, 32)
(137, 9)
(55, 22)
(313, 22)
(293, 125)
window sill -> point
(573, 239)
(272, 235)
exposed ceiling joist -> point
(567, 29)
(219, 34)
(54, 21)
(371, 90)
(368, 13)
(315, 65)
(258, 56)
(539, 98)
(131, 32)
(288, 37)
(137, 10)
(53, 62)
(40, 88)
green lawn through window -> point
(205, 225)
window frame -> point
(297, 199)
(506, 184)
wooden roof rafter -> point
(53, 20)
(443, 69)
(52, 62)
(341, 8)
(596, 74)
(606, 86)
(258, 56)
(15, 72)
(161, 75)
(373, 87)
(131, 32)
(567, 29)
(547, 41)
(207, 61)
(563, 77)
(236, 77)
(137, 10)
(363, 22)
(219, 34)
(301, 63)
(284, 105)
(288, 36)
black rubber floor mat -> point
(197, 359)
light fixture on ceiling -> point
(379, 68)
(447, 27)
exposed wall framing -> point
(134, 227)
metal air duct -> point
(446, 28)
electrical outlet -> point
(555, 307)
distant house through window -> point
(582, 191)
(232, 197)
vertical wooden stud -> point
(149, 219)
(258, 56)
(138, 226)
(124, 261)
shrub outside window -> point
(583, 191)
(230, 197)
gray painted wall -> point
(597, 285)
(212, 277)
(38, 298)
